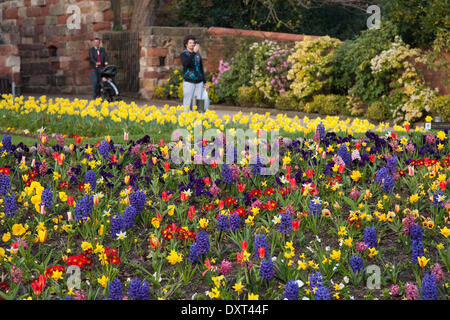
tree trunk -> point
(142, 11)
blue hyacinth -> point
(291, 290)
(356, 263)
(370, 237)
(322, 293)
(429, 290)
(392, 164)
(6, 142)
(83, 208)
(115, 290)
(47, 197)
(285, 223)
(91, 179)
(193, 253)
(315, 206)
(235, 222)
(438, 199)
(10, 205)
(315, 280)
(321, 130)
(227, 174)
(137, 200)
(415, 231)
(222, 223)
(116, 224)
(5, 184)
(202, 241)
(345, 154)
(129, 216)
(417, 251)
(138, 290)
(260, 241)
(257, 166)
(381, 174)
(388, 184)
(266, 270)
(103, 149)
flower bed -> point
(341, 217)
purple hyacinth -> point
(266, 270)
(91, 179)
(417, 251)
(315, 206)
(257, 166)
(315, 280)
(322, 293)
(429, 291)
(261, 242)
(222, 223)
(129, 216)
(137, 200)
(235, 221)
(116, 225)
(10, 205)
(345, 154)
(6, 142)
(138, 290)
(115, 290)
(392, 164)
(83, 208)
(291, 290)
(285, 222)
(5, 184)
(370, 237)
(321, 130)
(381, 174)
(388, 184)
(227, 174)
(193, 253)
(438, 199)
(356, 263)
(47, 197)
(415, 231)
(103, 149)
(202, 241)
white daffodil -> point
(121, 235)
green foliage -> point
(351, 63)
(287, 101)
(161, 92)
(250, 96)
(441, 107)
(330, 104)
(418, 21)
(377, 111)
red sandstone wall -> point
(10, 62)
(36, 25)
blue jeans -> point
(95, 84)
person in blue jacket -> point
(193, 74)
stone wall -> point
(54, 58)
(10, 62)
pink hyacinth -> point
(412, 293)
(354, 194)
(80, 295)
(135, 150)
(394, 290)
(16, 274)
(361, 246)
(436, 269)
(214, 190)
(407, 223)
(225, 267)
(356, 155)
(431, 139)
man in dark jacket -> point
(193, 74)
(97, 59)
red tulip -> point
(241, 187)
(358, 146)
(372, 158)
(262, 252)
(166, 166)
(207, 181)
(443, 185)
(309, 173)
(70, 200)
(295, 225)
(191, 212)
(38, 284)
(244, 245)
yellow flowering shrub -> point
(311, 68)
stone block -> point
(11, 13)
(38, 3)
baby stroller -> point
(108, 88)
